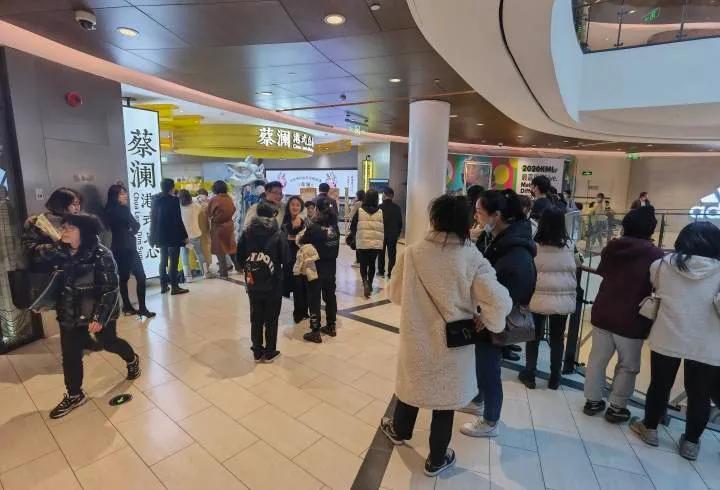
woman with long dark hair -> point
(440, 279)
(222, 229)
(368, 227)
(293, 224)
(555, 291)
(687, 327)
(87, 302)
(510, 252)
(124, 228)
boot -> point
(367, 290)
(178, 290)
(313, 336)
(329, 330)
(527, 378)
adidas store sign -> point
(709, 207)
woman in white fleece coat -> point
(430, 375)
(555, 294)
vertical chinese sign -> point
(142, 152)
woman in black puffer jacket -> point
(87, 301)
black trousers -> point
(223, 265)
(129, 262)
(264, 314)
(389, 246)
(557, 342)
(323, 286)
(300, 298)
(171, 254)
(700, 380)
(367, 264)
(440, 428)
(72, 342)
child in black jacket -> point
(323, 233)
(262, 252)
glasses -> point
(277, 192)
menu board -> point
(294, 180)
(142, 151)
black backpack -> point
(260, 270)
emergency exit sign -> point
(586, 173)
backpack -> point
(260, 270)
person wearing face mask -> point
(124, 227)
(87, 302)
(510, 251)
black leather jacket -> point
(89, 288)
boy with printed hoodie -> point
(262, 252)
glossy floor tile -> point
(204, 416)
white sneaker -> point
(473, 409)
(480, 428)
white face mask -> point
(489, 227)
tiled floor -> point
(204, 416)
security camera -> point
(86, 19)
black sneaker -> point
(617, 415)
(514, 348)
(133, 369)
(509, 355)
(178, 290)
(432, 470)
(147, 313)
(329, 330)
(258, 355)
(164, 289)
(313, 336)
(68, 404)
(270, 356)
(130, 311)
(527, 378)
(388, 428)
(554, 381)
(367, 290)
(593, 408)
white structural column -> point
(427, 162)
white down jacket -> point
(370, 230)
(555, 291)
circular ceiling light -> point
(127, 31)
(566, 141)
(453, 116)
(650, 145)
(375, 7)
(265, 92)
(334, 19)
(519, 136)
(619, 149)
(395, 80)
(479, 124)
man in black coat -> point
(392, 227)
(167, 232)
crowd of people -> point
(488, 258)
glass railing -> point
(615, 24)
(591, 233)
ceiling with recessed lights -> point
(344, 63)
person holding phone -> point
(87, 301)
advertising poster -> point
(294, 180)
(529, 168)
(142, 152)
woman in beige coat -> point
(440, 279)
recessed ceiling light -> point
(483, 141)
(519, 136)
(265, 92)
(566, 141)
(632, 11)
(334, 19)
(650, 145)
(619, 149)
(453, 116)
(127, 31)
(395, 80)
(375, 7)
(479, 124)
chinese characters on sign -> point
(285, 138)
(142, 150)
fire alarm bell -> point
(73, 99)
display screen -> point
(294, 180)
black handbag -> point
(350, 241)
(458, 333)
(519, 328)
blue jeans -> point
(199, 254)
(487, 367)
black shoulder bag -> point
(458, 333)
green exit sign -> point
(587, 172)
(652, 15)
(633, 156)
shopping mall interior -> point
(413, 99)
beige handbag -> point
(650, 305)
